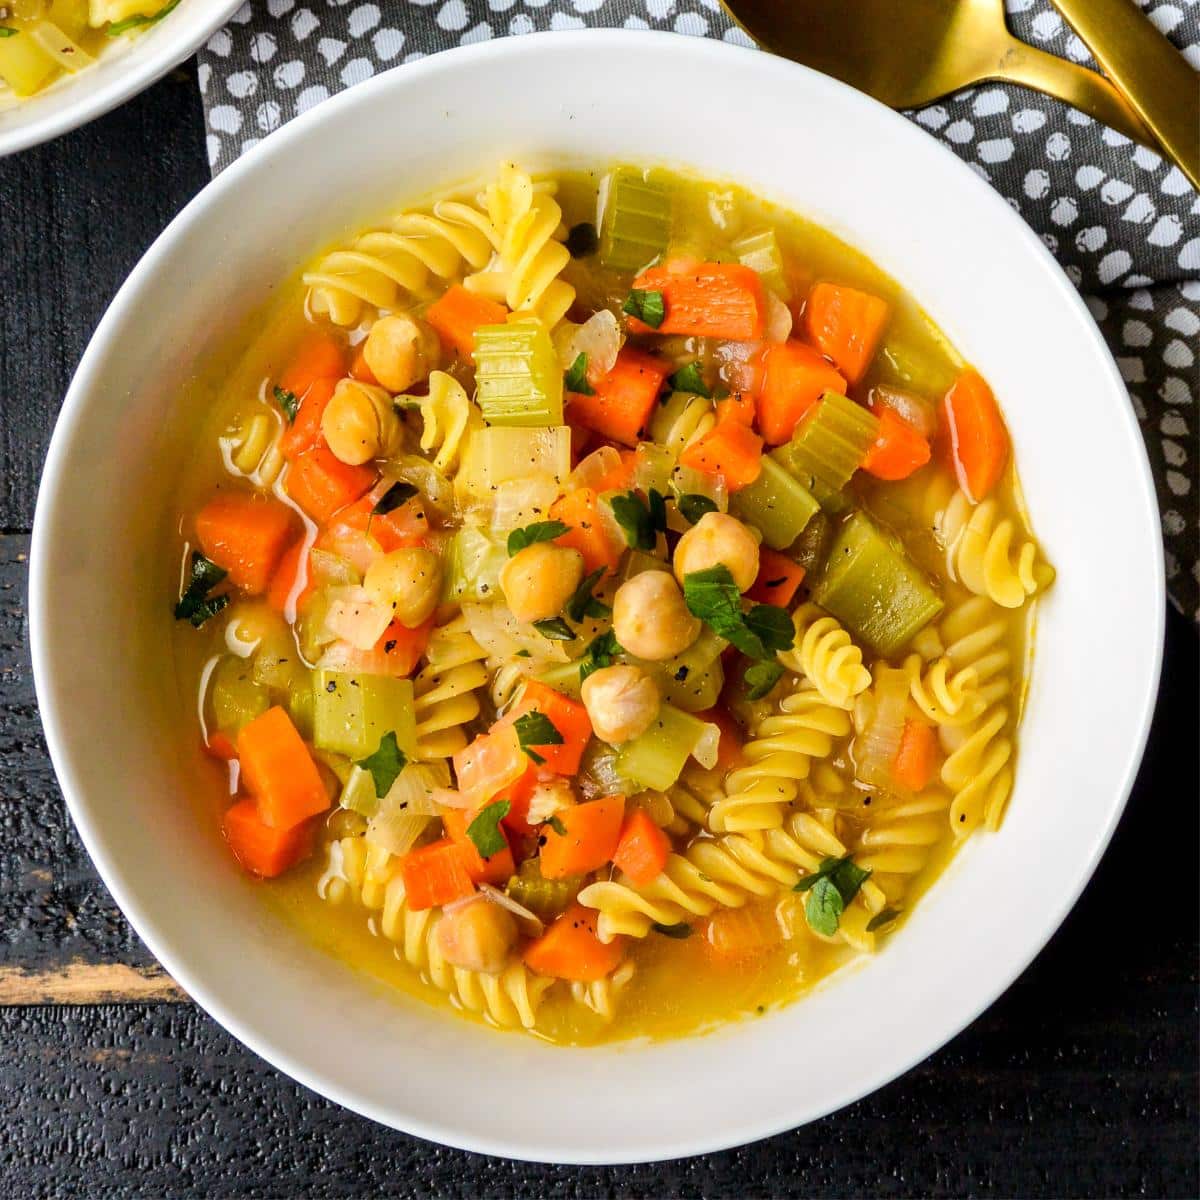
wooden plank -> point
(88, 983)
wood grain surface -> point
(1082, 1080)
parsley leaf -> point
(824, 907)
(196, 605)
(576, 380)
(832, 886)
(539, 531)
(583, 604)
(583, 240)
(693, 506)
(485, 830)
(773, 627)
(556, 629)
(761, 678)
(679, 930)
(399, 493)
(649, 307)
(385, 764)
(657, 503)
(712, 596)
(690, 379)
(882, 918)
(600, 653)
(136, 22)
(534, 728)
(638, 520)
(288, 402)
(557, 826)
(7, 31)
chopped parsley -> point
(576, 379)
(485, 830)
(649, 307)
(557, 826)
(601, 652)
(288, 402)
(138, 21)
(759, 633)
(385, 764)
(882, 918)
(583, 604)
(690, 379)
(539, 531)
(196, 605)
(693, 506)
(641, 521)
(401, 492)
(760, 678)
(556, 629)
(534, 728)
(831, 887)
(7, 31)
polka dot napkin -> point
(1124, 224)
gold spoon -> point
(907, 53)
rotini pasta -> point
(944, 696)
(826, 656)
(252, 449)
(449, 417)
(899, 840)
(445, 688)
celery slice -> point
(301, 706)
(692, 680)
(544, 897)
(929, 374)
(652, 468)
(517, 374)
(776, 504)
(760, 252)
(828, 447)
(473, 564)
(874, 589)
(656, 758)
(498, 455)
(236, 698)
(352, 712)
(636, 226)
(563, 677)
(812, 547)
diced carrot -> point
(739, 408)
(623, 400)
(404, 527)
(778, 579)
(435, 875)
(287, 575)
(729, 748)
(642, 849)
(978, 439)
(847, 325)
(795, 377)
(708, 299)
(305, 431)
(457, 313)
(359, 369)
(320, 483)
(620, 478)
(571, 949)
(899, 449)
(591, 833)
(319, 356)
(261, 849)
(916, 759)
(589, 535)
(220, 745)
(519, 794)
(497, 868)
(735, 934)
(246, 535)
(490, 763)
(568, 716)
(279, 771)
(731, 450)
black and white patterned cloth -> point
(1124, 224)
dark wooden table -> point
(1082, 1080)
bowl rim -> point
(51, 702)
(94, 102)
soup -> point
(608, 599)
(42, 40)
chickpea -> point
(650, 618)
(400, 350)
(719, 538)
(622, 703)
(540, 579)
(359, 422)
(479, 936)
(410, 580)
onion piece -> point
(705, 749)
(530, 924)
(354, 617)
(519, 502)
(914, 410)
(779, 319)
(599, 337)
(396, 831)
(450, 798)
(880, 717)
(740, 366)
(592, 469)
(502, 636)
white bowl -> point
(123, 69)
(100, 592)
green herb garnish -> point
(7, 31)
(690, 379)
(693, 506)
(640, 521)
(555, 628)
(760, 678)
(712, 596)
(534, 728)
(557, 826)
(831, 887)
(399, 493)
(824, 907)
(583, 604)
(576, 380)
(657, 503)
(196, 605)
(583, 240)
(880, 919)
(649, 307)
(385, 764)
(485, 830)
(539, 531)
(679, 930)
(601, 652)
(136, 22)
(288, 402)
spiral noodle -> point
(252, 449)
(777, 758)
(600, 994)
(449, 417)
(945, 696)
(370, 874)
(825, 654)
(681, 420)
(986, 553)
(897, 844)
(445, 688)
(385, 267)
(530, 253)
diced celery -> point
(828, 446)
(544, 897)
(926, 372)
(636, 226)
(776, 504)
(358, 794)
(235, 698)
(812, 546)
(473, 564)
(874, 589)
(562, 677)
(652, 468)
(692, 680)
(760, 252)
(352, 712)
(276, 664)
(656, 758)
(497, 455)
(517, 375)
(687, 481)
(301, 705)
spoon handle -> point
(1085, 90)
(1153, 75)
